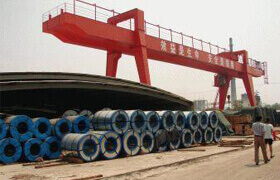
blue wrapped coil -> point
(3, 129)
(174, 139)
(33, 149)
(42, 128)
(218, 134)
(84, 146)
(147, 141)
(131, 143)
(192, 120)
(80, 124)
(167, 119)
(187, 138)
(179, 120)
(110, 144)
(208, 135)
(138, 120)
(213, 119)
(204, 120)
(197, 136)
(61, 126)
(153, 121)
(21, 127)
(10, 150)
(111, 120)
(161, 140)
(53, 147)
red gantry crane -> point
(128, 33)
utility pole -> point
(233, 82)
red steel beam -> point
(75, 29)
(90, 33)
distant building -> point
(245, 100)
(258, 99)
(200, 105)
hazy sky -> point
(254, 25)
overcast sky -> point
(254, 26)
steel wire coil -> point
(53, 148)
(33, 149)
(42, 128)
(131, 143)
(10, 150)
(153, 121)
(80, 124)
(110, 144)
(20, 127)
(147, 141)
(111, 120)
(83, 146)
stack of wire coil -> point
(106, 134)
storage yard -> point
(81, 126)
(115, 133)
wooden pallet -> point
(243, 129)
(239, 119)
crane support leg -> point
(223, 93)
(248, 83)
(140, 50)
(247, 78)
(141, 57)
(142, 65)
(112, 63)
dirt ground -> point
(105, 167)
(232, 166)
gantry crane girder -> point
(76, 29)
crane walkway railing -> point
(102, 14)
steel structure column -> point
(223, 90)
(248, 83)
(139, 51)
(112, 63)
(247, 78)
(233, 80)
